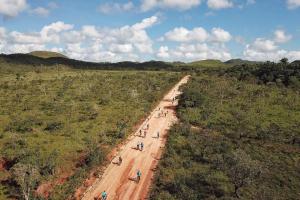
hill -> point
(28, 61)
(296, 62)
(207, 63)
(234, 62)
(47, 54)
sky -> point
(142, 30)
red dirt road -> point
(119, 181)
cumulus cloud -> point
(121, 48)
(89, 31)
(87, 43)
(44, 12)
(111, 8)
(24, 48)
(11, 8)
(265, 49)
(171, 4)
(264, 45)
(220, 35)
(146, 23)
(182, 34)
(198, 34)
(2, 33)
(25, 38)
(50, 33)
(280, 36)
(163, 52)
(219, 4)
(18, 42)
(192, 52)
(293, 4)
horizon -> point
(174, 61)
(145, 30)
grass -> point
(53, 118)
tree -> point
(284, 61)
(121, 126)
(242, 170)
(26, 176)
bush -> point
(53, 126)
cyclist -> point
(138, 175)
(120, 160)
(104, 195)
(142, 146)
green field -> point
(238, 139)
(65, 121)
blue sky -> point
(170, 30)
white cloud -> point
(219, 4)
(44, 12)
(11, 8)
(2, 33)
(25, 38)
(50, 33)
(293, 4)
(251, 53)
(72, 37)
(121, 48)
(90, 31)
(280, 36)
(172, 4)
(163, 52)
(264, 45)
(112, 8)
(220, 35)
(87, 43)
(198, 34)
(264, 49)
(23, 48)
(146, 23)
(293, 55)
(184, 35)
(192, 52)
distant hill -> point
(207, 63)
(296, 62)
(47, 54)
(39, 59)
(234, 62)
(28, 61)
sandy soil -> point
(119, 181)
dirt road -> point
(119, 181)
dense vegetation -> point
(239, 136)
(281, 74)
(61, 123)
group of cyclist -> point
(140, 146)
